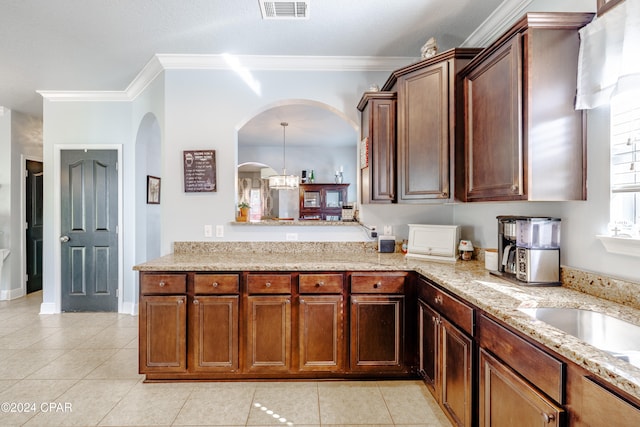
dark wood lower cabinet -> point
(321, 337)
(165, 351)
(445, 363)
(269, 333)
(508, 400)
(377, 332)
(213, 333)
(276, 325)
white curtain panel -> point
(609, 60)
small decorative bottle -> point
(312, 177)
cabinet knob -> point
(438, 299)
(548, 418)
(301, 301)
(320, 283)
(161, 284)
(268, 284)
(195, 301)
(514, 188)
(377, 285)
(287, 301)
(180, 301)
(214, 284)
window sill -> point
(621, 245)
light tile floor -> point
(81, 369)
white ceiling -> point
(102, 45)
(96, 45)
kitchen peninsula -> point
(288, 310)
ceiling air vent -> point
(284, 9)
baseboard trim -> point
(48, 308)
(129, 308)
(6, 295)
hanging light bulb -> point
(284, 181)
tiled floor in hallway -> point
(80, 369)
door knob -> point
(64, 239)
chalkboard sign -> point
(199, 171)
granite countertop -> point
(467, 279)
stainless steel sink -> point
(608, 333)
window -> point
(625, 165)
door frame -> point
(57, 252)
(23, 220)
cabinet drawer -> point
(538, 367)
(450, 307)
(163, 284)
(269, 283)
(363, 283)
(216, 284)
(320, 283)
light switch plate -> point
(208, 230)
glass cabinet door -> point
(334, 199)
(311, 199)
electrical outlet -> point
(208, 230)
(290, 237)
(219, 230)
(388, 230)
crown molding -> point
(162, 62)
(497, 23)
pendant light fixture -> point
(284, 181)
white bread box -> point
(433, 242)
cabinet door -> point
(321, 340)
(379, 126)
(377, 331)
(269, 333)
(456, 362)
(213, 326)
(507, 400)
(163, 334)
(428, 346)
(493, 126)
(423, 134)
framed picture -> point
(199, 171)
(153, 190)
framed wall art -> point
(153, 190)
(199, 171)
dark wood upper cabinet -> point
(378, 118)
(522, 138)
(426, 125)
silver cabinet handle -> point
(377, 285)
(320, 283)
(161, 284)
(548, 418)
(287, 301)
(268, 284)
(438, 299)
(180, 301)
(301, 301)
(214, 284)
(195, 301)
(64, 239)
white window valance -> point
(609, 60)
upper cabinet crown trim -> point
(459, 53)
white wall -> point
(20, 139)
(5, 192)
(81, 124)
(205, 109)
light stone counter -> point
(469, 280)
